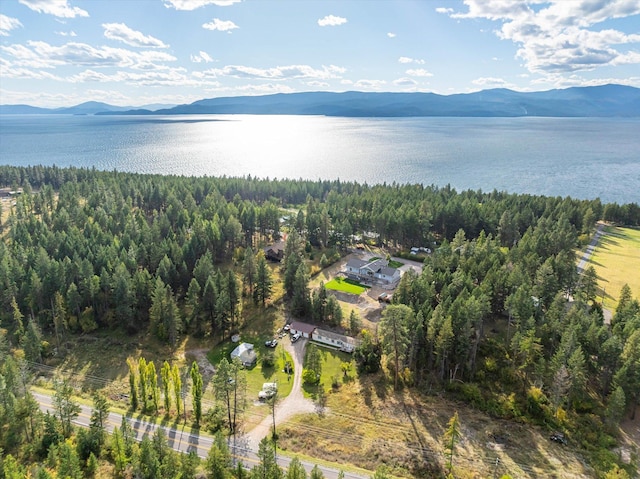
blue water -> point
(579, 157)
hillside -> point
(598, 101)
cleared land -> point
(345, 285)
(617, 261)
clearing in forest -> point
(617, 261)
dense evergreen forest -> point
(85, 250)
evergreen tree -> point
(395, 335)
(218, 464)
(300, 294)
(66, 409)
(249, 270)
(296, 470)
(263, 283)
(451, 436)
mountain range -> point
(595, 101)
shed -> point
(245, 353)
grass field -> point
(617, 261)
(345, 285)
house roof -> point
(278, 246)
(355, 263)
(244, 351)
(303, 327)
(336, 336)
(388, 271)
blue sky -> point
(137, 52)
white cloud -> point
(559, 35)
(492, 82)
(124, 34)
(405, 82)
(201, 57)
(419, 72)
(391, 35)
(263, 89)
(7, 24)
(318, 84)
(220, 25)
(67, 34)
(410, 60)
(370, 84)
(44, 55)
(275, 73)
(444, 10)
(58, 8)
(194, 4)
(331, 21)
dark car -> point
(559, 438)
(272, 343)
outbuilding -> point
(306, 330)
(245, 353)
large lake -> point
(578, 157)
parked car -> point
(272, 343)
(286, 327)
(559, 438)
(295, 337)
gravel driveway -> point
(294, 403)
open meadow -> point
(617, 261)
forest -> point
(85, 250)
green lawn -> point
(331, 368)
(395, 264)
(617, 261)
(346, 286)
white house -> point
(245, 353)
(340, 341)
(377, 270)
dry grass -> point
(617, 261)
(368, 425)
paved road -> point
(590, 249)
(184, 441)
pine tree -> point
(451, 436)
(296, 470)
(263, 283)
(66, 409)
(395, 335)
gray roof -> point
(356, 263)
(336, 336)
(388, 271)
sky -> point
(140, 52)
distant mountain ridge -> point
(86, 108)
(596, 101)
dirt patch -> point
(200, 357)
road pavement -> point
(184, 440)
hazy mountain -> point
(86, 108)
(600, 101)
(597, 101)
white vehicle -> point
(268, 391)
(295, 337)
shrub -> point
(310, 377)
